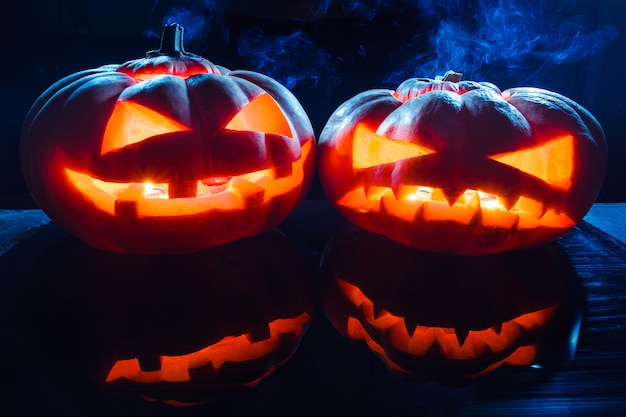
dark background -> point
(326, 52)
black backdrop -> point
(332, 51)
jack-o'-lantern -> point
(177, 328)
(451, 318)
(167, 154)
(458, 166)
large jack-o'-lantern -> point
(459, 166)
(169, 153)
(175, 328)
(451, 318)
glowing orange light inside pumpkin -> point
(371, 150)
(261, 115)
(232, 193)
(552, 163)
(229, 349)
(132, 123)
(453, 343)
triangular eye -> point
(552, 162)
(262, 114)
(370, 150)
(131, 123)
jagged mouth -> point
(471, 207)
(382, 328)
(145, 199)
(240, 348)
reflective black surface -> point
(328, 374)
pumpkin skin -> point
(167, 154)
(451, 318)
(176, 328)
(458, 166)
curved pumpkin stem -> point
(171, 42)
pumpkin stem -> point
(452, 76)
(171, 42)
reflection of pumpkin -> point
(169, 153)
(175, 328)
(458, 166)
(447, 317)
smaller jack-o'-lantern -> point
(451, 318)
(176, 328)
(458, 166)
(167, 154)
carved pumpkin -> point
(177, 328)
(459, 166)
(451, 318)
(167, 154)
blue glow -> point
(483, 39)
(289, 59)
(573, 339)
(515, 37)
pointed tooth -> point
(384, 319)
(497, 328)
(452, 195)
(410, 327)
(379, 310)
(258, 334)
(508, 201)
(461, 335)
(397, 189)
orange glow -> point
(552, 162)
(420, 341)
(428, 204)
(229, 349)
(370, 150)
(262, 114)
(522, 356)
(131, 123)
(151, 200)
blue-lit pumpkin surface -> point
(167, 154)
(458, 166)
